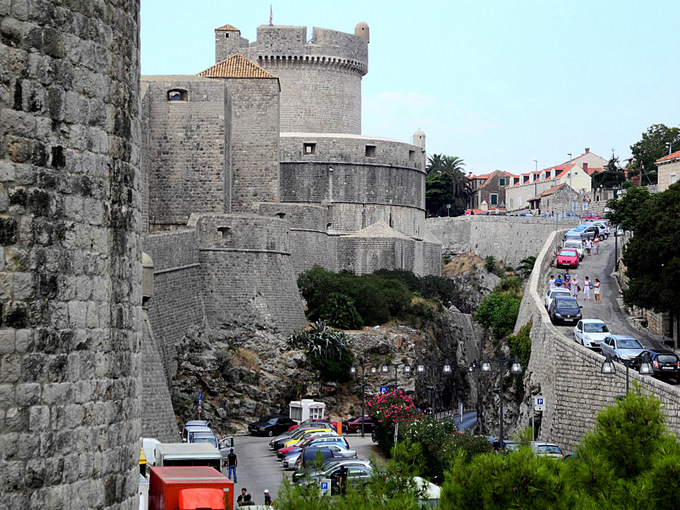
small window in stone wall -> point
(494, 199)
(411, 155)
(370, 151)
(309, 149)
(177, 95)
(501, 181)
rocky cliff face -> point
(246, 372)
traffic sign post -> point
(325, 486)
(539, 405)
(200, 404)
(384, 389)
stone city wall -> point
(176, 304)
(507, 238)
(310, 243)
(70, 271)
(568, 374)
(247, 272)
(331, 66)
(186, 149)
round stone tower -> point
(320, 79)
(70, 272)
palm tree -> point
(526, 266)
(453, 167)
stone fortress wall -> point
(70, 271)
(507, 238)
(568, 374)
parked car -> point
(525, 214)
(313, 421)
(665, 364)
(357, 474)
(339, 451)
(191, 431)
(552, 293)
(324, 437)
(564, 309)
(604, 229)
(621, 347)
(293, 441)
(591, 216)
(205, 437)
(310, 455)
(270, 426)
(192, 424)
(575, 244)
(590, 332)
(567, 257)
(547, 449)
(354, 424)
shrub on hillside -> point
(520, 344)
(326, 349)
(499, 311)
(339, 312)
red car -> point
(567, 258)
(591, 216)
(354, 425)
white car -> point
(547, 449)
(550, 295)
(575, 245)
(590, 332)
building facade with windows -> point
(488, 190)
(668, 170)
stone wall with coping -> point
(187, 148)
(569, 375)
(507, 238)
(70, 270)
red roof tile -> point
(229, 28)
(236, 66)
(670, 157)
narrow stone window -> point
(370, 151)
(177, 95)
(225, 231)
(501, 181)
(309, 149)
(411, 155)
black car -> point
(564, 309)
(665, 364)
(270, 426)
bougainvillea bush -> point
(387, 410)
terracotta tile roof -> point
(547, 192)
(228, 27)
(591, 170)
(670, 157)
(236, 66)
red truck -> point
(189, 488)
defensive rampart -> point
(507, 238)
(568, 374)
(70, 270)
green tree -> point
(452, 166)
(612, 176)
(651, 257)
(526, 266)
(651, 147)
(626, 210)
(499, 311)
(438, 193)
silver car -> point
(290, 460)
(621, 347)
(577, 245)
(551, 293)
(590, 333)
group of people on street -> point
(573, 285)
(244, 499)
(592, 246)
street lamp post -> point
(353, 371)
(609, 368)
(385, 369)
(421, 368)
(570, 189)
(515, 368)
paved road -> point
(610, 308)
(258, 468)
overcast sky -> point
(498, 83)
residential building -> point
(489, 188)
(669, 169)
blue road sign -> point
(384, 389)
(200, 398)
(324, 486)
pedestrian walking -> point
(267, 498)
(575, 288)
(596, 245)
(559, 282)
(567, 280)
(552, 282)
(232, 463)
(587, 285)
(589, 245)
(596, 290)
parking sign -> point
(539, 404)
